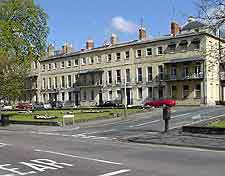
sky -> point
(75, 21)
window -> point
(118, 76)
(92, 79)
(92, 60)
(69, 63)
(160, 92)
(110, 95)
(54, 65)
(174, 92)
(92, 95)
(185, 91)
(49, 66)
(109, 57)
(138, 53)
(49, 83)
(198, 91)
(149, 51)
(99, 59)
(183, 44)
(70, 96)
(197, 69)
(195, 44)
(160, 71)
(127, 54)
(140, 93)
(62, 64)
(55, 82)
(69, 79)
(62, 81)
(172, 47)
(63, 96)
(110, 77)
(84, 95)
(149, 92)
(43, 83)
(118, 93)
(76, 62)
(139, 74)
(118, 56)
(128, 75)
(173, 72)
(160, 50)
(83, 61)
(149, 74)
(186, 71)
(43, 67)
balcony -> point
(88, 84)
(193, 76)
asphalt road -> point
(66, 152)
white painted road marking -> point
(156, 121)
(3, 145)
(116, 172)
(38, 165)
(79, 157)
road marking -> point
(116, 172)
(3, 145)
(156, 121)
(79, 157)
(192, 123)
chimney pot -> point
(142, 34)
(67, 48)
(89, 44)
(113, 39)
(175, 28)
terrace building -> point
(174, 66)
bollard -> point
(166, 117)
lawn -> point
(218, 124)
(80, 115)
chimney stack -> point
(113, 39)
(89, 44)
(142, 34)
(50, 50)
(175, 28)
(67, 48)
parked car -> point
(47, 106)
(159, 103)
(109, 104)
(57, 104)
(38, 106)
(23, 106)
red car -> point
(24, 106)
(159, 103)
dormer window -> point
(183, 44)
(195, 43)
(172, 47)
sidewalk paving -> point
(178, 138)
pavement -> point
(99, 149)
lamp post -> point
(125, 95)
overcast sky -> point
(76, 21)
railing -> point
(184, 77)
(88, 83)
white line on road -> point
(79, 157)
(3, 145)
(192, 123)
(116, 172)
(156, 121)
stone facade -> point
(173, 66)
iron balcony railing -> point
(184, 77)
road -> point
(36, 151)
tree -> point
(23, 35)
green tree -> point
(23, 36)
